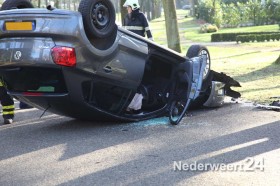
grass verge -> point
(257, 71)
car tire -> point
(198, 50)
(98, 17)
(12, 4)
(195, 51)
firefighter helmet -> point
(133, 3)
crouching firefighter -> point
(7, 103)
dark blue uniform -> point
(137, 23)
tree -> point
(123, 10)
(210, 11)
(270, 11)
(277, 16)
(278, 61)
(56, 4)
(116, 5)
(156, 9)
(172, 31)
(231, 15)
(255, 11)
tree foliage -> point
(236, 13)
(231, 17)
(210, 11)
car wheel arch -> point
(11, 4)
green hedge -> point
(232, 36)
(258, 37)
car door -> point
(121, 75)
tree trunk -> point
(172, 32)
(142, 5)
(56, 3)
(153, 16)
(74, 5)
(157, 8)
(192, 3)
(278, 61)
(117, 7)
(69, 4)
(123, 10)
(148, 5)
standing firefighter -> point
(7, 104)
(135, 21)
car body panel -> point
(217, 95)
(33, 50)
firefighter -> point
(135, 21)
(7, 104)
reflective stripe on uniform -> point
(8, 107)
(133, 27)
(1, 84)
(147, 29)
(8, 112)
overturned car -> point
(81, 65)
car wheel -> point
(198, 50)
(98, 18)
(12, 4)
(195, 51)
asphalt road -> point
(242, 141)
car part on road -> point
(275, 106)
(276, 103)
(217, 95)
(275, 97)
(229, 82)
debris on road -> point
(275, 97)
(275, 106)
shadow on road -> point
(259, 140)
(34, 134)
(140, 154)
